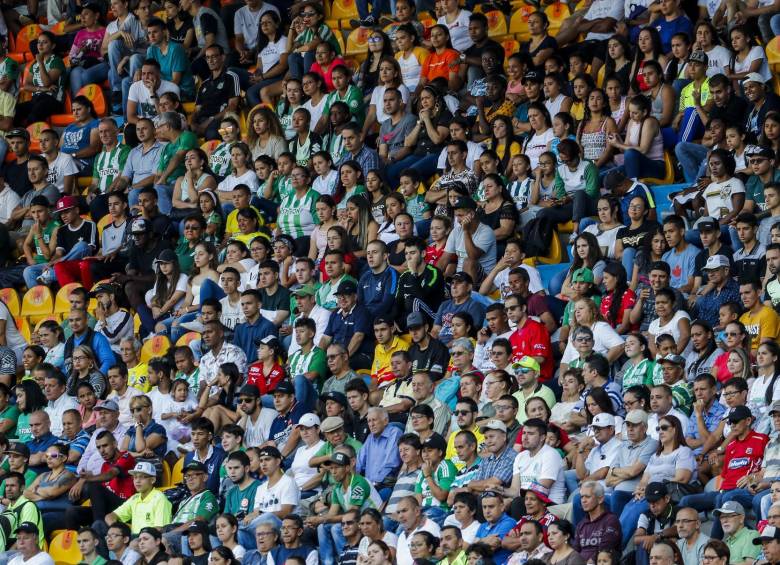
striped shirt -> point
(219, 160)
(109, 165)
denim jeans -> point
(629, 518)
(305, 393)
(629, 253)
(774, 24)
(331, 541)
(425, 165)
(300, 63)
(638, 166)
(80, 77)
(377, 8)
(690, 156)
(711, 500)
(32, 272)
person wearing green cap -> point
(526, 372)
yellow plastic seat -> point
(61, 302)
(24, 328)
(187, 338)
(21, 49)
(64, 549)
(155, 347)
(518, 24)
(556, 251)
(11, 299)
(177, 473)
(166, 475)
(136, 324)
(210, 146)
(37, 303)
(511, 46)
(568, 227)
(668, 172)
(556, 13)
(35, 130)
(101, 225)
(496, 23)
(357, 43)
(343, 10)
(600, 76)
(773, 54)
(53, 318)
(188, 107)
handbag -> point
(678, 490)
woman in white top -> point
(608, 209)
(194, 179)
(675, 323)
(643, 148)
(410, 55)
(271, 61)
(389, 77)
(303, 474)
(314, 88)
(372, 527)
(555, 100)
(326, 216)
(718, 57)
(606, 341)
(765, 388)
(541, 132)
(459, 130)
(227, 532)
(241, 173)
(457, 21)
(204, 268)
(327, 177)
(724, 197)
(747, 57)
(167, 294)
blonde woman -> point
(607, 341)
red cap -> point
(67, 202)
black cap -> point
(249, 390)
(335, 396)
(40, 200)
(269, 340)
(102, 288)
(464, 202)
(340, 458)
(285, 387)
(415, 320)
(613, 179)
(739, 413)
(167, 256)
(195, 466)
(18, 132)
(346, 287)
(435, 441)
(27, 527)
(655, 492)
(270, 451)
(462, 276)
(198, 527)
(759, 151)
(19, 448)
(533, 76)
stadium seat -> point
(548, 272)
(136, 324)
(94, 94)
(556, 251)
(63, 548)
(568, 227)
(177, 473)
(340, 40)
(187, 338)
(156, 346)
(510, 46)
(11, 299)
(53, 318)
(166, 475)
(25, 36)
(518, 25)
(35, 135)
(773, 54)
(102, 223)
(496, 24)
(663, 205)
(58, 28)
(668, 174)
(343, 11)
(210, 146)
(37, 303)
(357, 43)
(24, 328)
(66, 118)
(556, 13)
(61, 302)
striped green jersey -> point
(297, 216)
(109, 165)
(219, 160)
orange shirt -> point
(442, 65)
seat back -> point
(63, 548)
(518, 24)
(26, 36)
(94, 93)
(155, 347)
(37, 303)
(11, 299)
(187, 338)
(357, 43)
(61, 302)
(343, 10)
(177, 473)
(35, 130)
(496, 23)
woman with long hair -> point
(411, 56)
(204, 270)
(351, 183)
(327, 60)
(503, 140)
(85, 393)
(630, 238)
(151, 547)
(619, 58)
(560, 535)
(541, 133)
(735, 336)
(297, 211)
(146, 437)
(226, 527)
(325, 208)
(661, 96)
(80, 139)
(770, 133)
(765, 389)
(359, 224)
(595, 128)
(587, 253)
(395, 203)
(219, 400)
(609, 225)
(372, 527)
(368, 76)
(704, 346)
(643, 145)
(52, 339)
(581, 85)
(746, 57)
(649, 48)
(638, 369)
(307, 32)
(443, 62)
(555, 99)
(272, 56)
(654, 245)
(326, 174)
(45, 81)
(498, 211)
(168, 292)
(376, 190)
(178, 23)
(241, 172)
(378, 553)
(196, 177)
(618, 300)
(707, 40)
(85, 368)
(265, 135)
(29, 399)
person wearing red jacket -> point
(530, 337)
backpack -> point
(537, 237)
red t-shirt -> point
(266, 385)
(626, 303)
(327, 74)
(122, 484)
(544, 522)
(533, 339)
(433, 254)
(742, 458)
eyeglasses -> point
(464, 412)
(709, 557)
(729, 394)
(456, 353)
(348, 523)
(375, 39)
(502, 407)
(80, 357)
(192, 227)
(53, 455)
(733, 334)
(583, 339)
(245, 400)
(331, 357)
(137, 408)
(663, 428)
(635, 206)
(308, 14)
(758, 160)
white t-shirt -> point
(63, 166)
(718, 195)
(389, 538)
(501, 281)
(604, 336)
(271, 499)
(547, 464)
(13, 338)
(655, 329)
(469, 533)
(459, 30)
(143, 98)
(247, 24)
(249, 178)
(9, 200)
(315, 112)
(271, 53)
(326, 185)
(603, 9)
(711, 5)
(231, 313)
(606, 238)
(300, 470)
(718, 59)
(756, 52)
(537, 145)
(378, 100)
(41, 558)
(652, 422)
(603, 455)
(403, 556)
(181, 286)
(257, 433)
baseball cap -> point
(144, 468)
(698, 57)
(540, 492)
(28, 528)
(583, 274)
(271, 451)
(767, 534)
(332, 423)
(655, 492)
(716, 262)
(140, 225)
(493, 425)
(19, 448)
(249, 390)
(464, 203)
(346, 287)
(730, 507)
(195, 467)
(462, 276)
(613, 179)
(308, 421)
(167, 256)
(103, 288)
(415, 320)
(269, 340)
(751, 77)
(107, 405)
(637, 417)
(603, 420)
(198, 527)
(435, 441)
(775, 407)
(305, 290)
(739, 413)
(526, 362)
(335, 396)
(533, 76)
(284, 387)
(672, 358)
(18, 132)
(66, 202)
(759, 151)
(340, 458)
(707, 223)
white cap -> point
(753, 77)
(603, 420)
(308, 421)
(144, 468)
(716, 262)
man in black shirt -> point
(217, 95)
(139, 272)
(76, 239)
(471, 59)
(161, 225)
(728, 106)
(420, 287)
(15, 172)
(427, 354)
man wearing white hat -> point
(148, 506)
(762, 100)
(769, 540)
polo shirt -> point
(141, 162)
(202, 505)
(500, 528)
(215, 93)
(741, 545)
(342, 326)
(152, 510)
(40, 444)
(629, 453)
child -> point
(212, 211)
(179, 404)
(279, 183)
(577, 65)
(344, 91)
(563, 128)
(325, 182)
(664, 345)
(490, 164)
(416, 206)
(232, 441)
(521, 188)
(735, 142)
(284, 246)
(264, 166)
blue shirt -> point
(682, 265)
(38, 445)
(175, 61)
(76, 137)
(282, 425)
(379, 457)
(366, 157)
(640, 190)
(342, 327)
(667, 29)
(448, 309)
(141, 165)
(376, 292)
(712, 418)
(246, 334)
(499, 467)
(708, 305)
(77, 444)
(213, 462)
(151, 428)
(501, 528)
(101, 348)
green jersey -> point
(353, 98)
(203, 505)
(109, 165)
(237, 500)
(359, 495)
(53, 63)
(323, 32)
(186, 141)
(311, 362)
(326, 296)
(219, 160)
(11, 412)
(640, 374)
(444, 475)
(44, 240)
(298, 216)
(193, 379)
(282, 188)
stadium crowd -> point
(428, 301)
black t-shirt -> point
(215, 93)
(701, 260)
(733, 112)
(179, 35)
(424, 144)
(434, 359)
(280, 300)
(15, 174)
(142, 260)
(475, 51)
(633, 237)
(67, 237)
